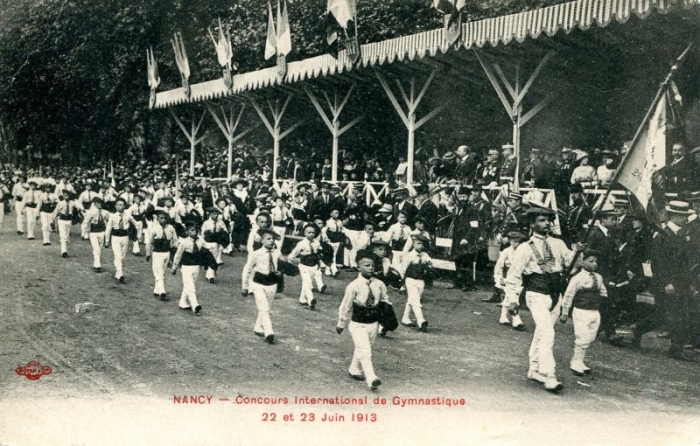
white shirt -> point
(357, 292)
(413, 257)
(258, 261)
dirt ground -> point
(117, 369)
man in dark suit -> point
(578, 213)
(469, 238)
(427, 209)
(322, 203)
(601, 240)
(672, 259)
(467, 164)
(680, 175)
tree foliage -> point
(73, 72)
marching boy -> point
(261, 277)
(308, 252)
(188, 258)
(586, 290)
(359, 304)
(397, 235)
(160, 239)
(500, 271)
(64, 212)
(94, 224)
(212, 229)
(117, 235)
(415, 268)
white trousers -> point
(97, 240)
(586, 324)
(264, 296)
(46, 220)
(414, 292)
(216, 252)
(308, 275)
(160, 263)
(334, 265)
(188, 298)
(64, 233)
(119, 245)
(32, 214)
(19, 215)
(136, 249)
(396, 259)
(363, 336)
(542, 347)
(281, 231)
(350, 254)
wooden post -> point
(515, 108)
(275, 130)
(333, 122)
(409, 116)
(228, 126)
(191, 134)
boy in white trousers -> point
(117, 235)
(188, 258)
(64, 212)
(308, 253)
(94, 224)
(211, 230)
(159, 241)
(360, 307)
(261, 277)
(415, 268)
(500, 272)
(585, 291)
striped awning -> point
(579, 14)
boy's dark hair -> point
(365, 254)
(590, 253)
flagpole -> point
(659, 95)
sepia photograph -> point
(347, 222)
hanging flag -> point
(332, 37)
(453, 17)
(284, 35)
(271, 43)
(343, 11)
(646, 156)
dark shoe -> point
(197, 309)
(121, 279)
(64, 255)
(506, 323)
(411, 324)
(303, 304)
(578, 372)
(424, 326)
(382, 332)
(259, 333)
(270, 339)
(137, 254)
(312, 304)
(323, 289)
(164, 297)
(212, 280)
(20, 233)
(185, 308)
(31, 238)
(616, 340)
(375, 384)
(46, 244)
(220, 264)
(97, 269)
(357, 377)
(520, 327)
